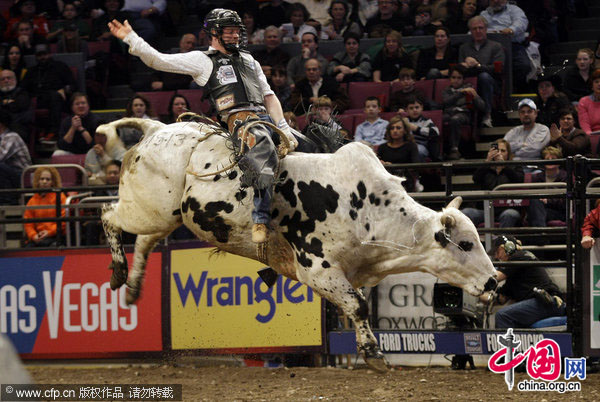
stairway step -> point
(586, 23)
(120, 91)
(108, 115)
(583, 35)
(490, 131)
(117, 103)
(571, 46)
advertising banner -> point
(220, 302)
(405, 301)
(57, 305)
(444, 342)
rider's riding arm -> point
(274, 108)
(193, 63)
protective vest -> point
(233, 81)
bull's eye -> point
(465, 245)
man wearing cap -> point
(550, 101)
(534, 294)
(528, 140)
(50, 81)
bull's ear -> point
(455, 203)
(448, 221)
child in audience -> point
(372, 130)
(281, 87)
(407, 90)
(459, 99)
(423, 129)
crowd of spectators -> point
(41, 27)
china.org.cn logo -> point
(543, 362)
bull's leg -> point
(144, 244)
(112, 231)
(332, 284)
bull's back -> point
(153, 175)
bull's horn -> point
(455, 203)
(448, 221)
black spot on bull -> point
(297, 232)
(363, 307)
(355, 202)
(287, 191)
(325, 264)
(353, 214)
(374, 200)
(304, 260)
(207, 165)
(317, 200)
(177, 212)
(208, 218)
(241, 194)
(217, 177)
(362, 190)
(232, 175)
(138, 158)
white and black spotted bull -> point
(339, 221)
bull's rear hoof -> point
(131, 295)
(378, 363)
(119, 275)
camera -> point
(495, 145)
(458, 306)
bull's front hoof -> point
(376, 360)
(131, 295)
(119, 275)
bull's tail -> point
(146, 126)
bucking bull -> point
(339, 221)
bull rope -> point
(282, 150)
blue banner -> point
(457, 343)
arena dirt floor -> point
(227, 383)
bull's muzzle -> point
(491, 284)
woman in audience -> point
(458, 21)
(43, 234)
(351, 65)
(391, 58)
(339, 24)
(435, 62)
(292, 31)
(577, 78)
(76, 133)
(589, 107)
(400, 148)
(177, 105)
(549, 100)
(567, 137)
(139, 107)
(255, 35)
(13, 60)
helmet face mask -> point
(220, 18)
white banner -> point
(405, 301)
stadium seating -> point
(194, 96)
(426, 86)
(359, 91)
(159, 101)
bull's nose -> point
(491, 284)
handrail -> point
(68, 213)
(557, 184)
(84, 180)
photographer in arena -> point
(531, 290)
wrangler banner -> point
(59, 305)
(220, 302)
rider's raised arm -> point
(194, 63)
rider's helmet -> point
(220, 18)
